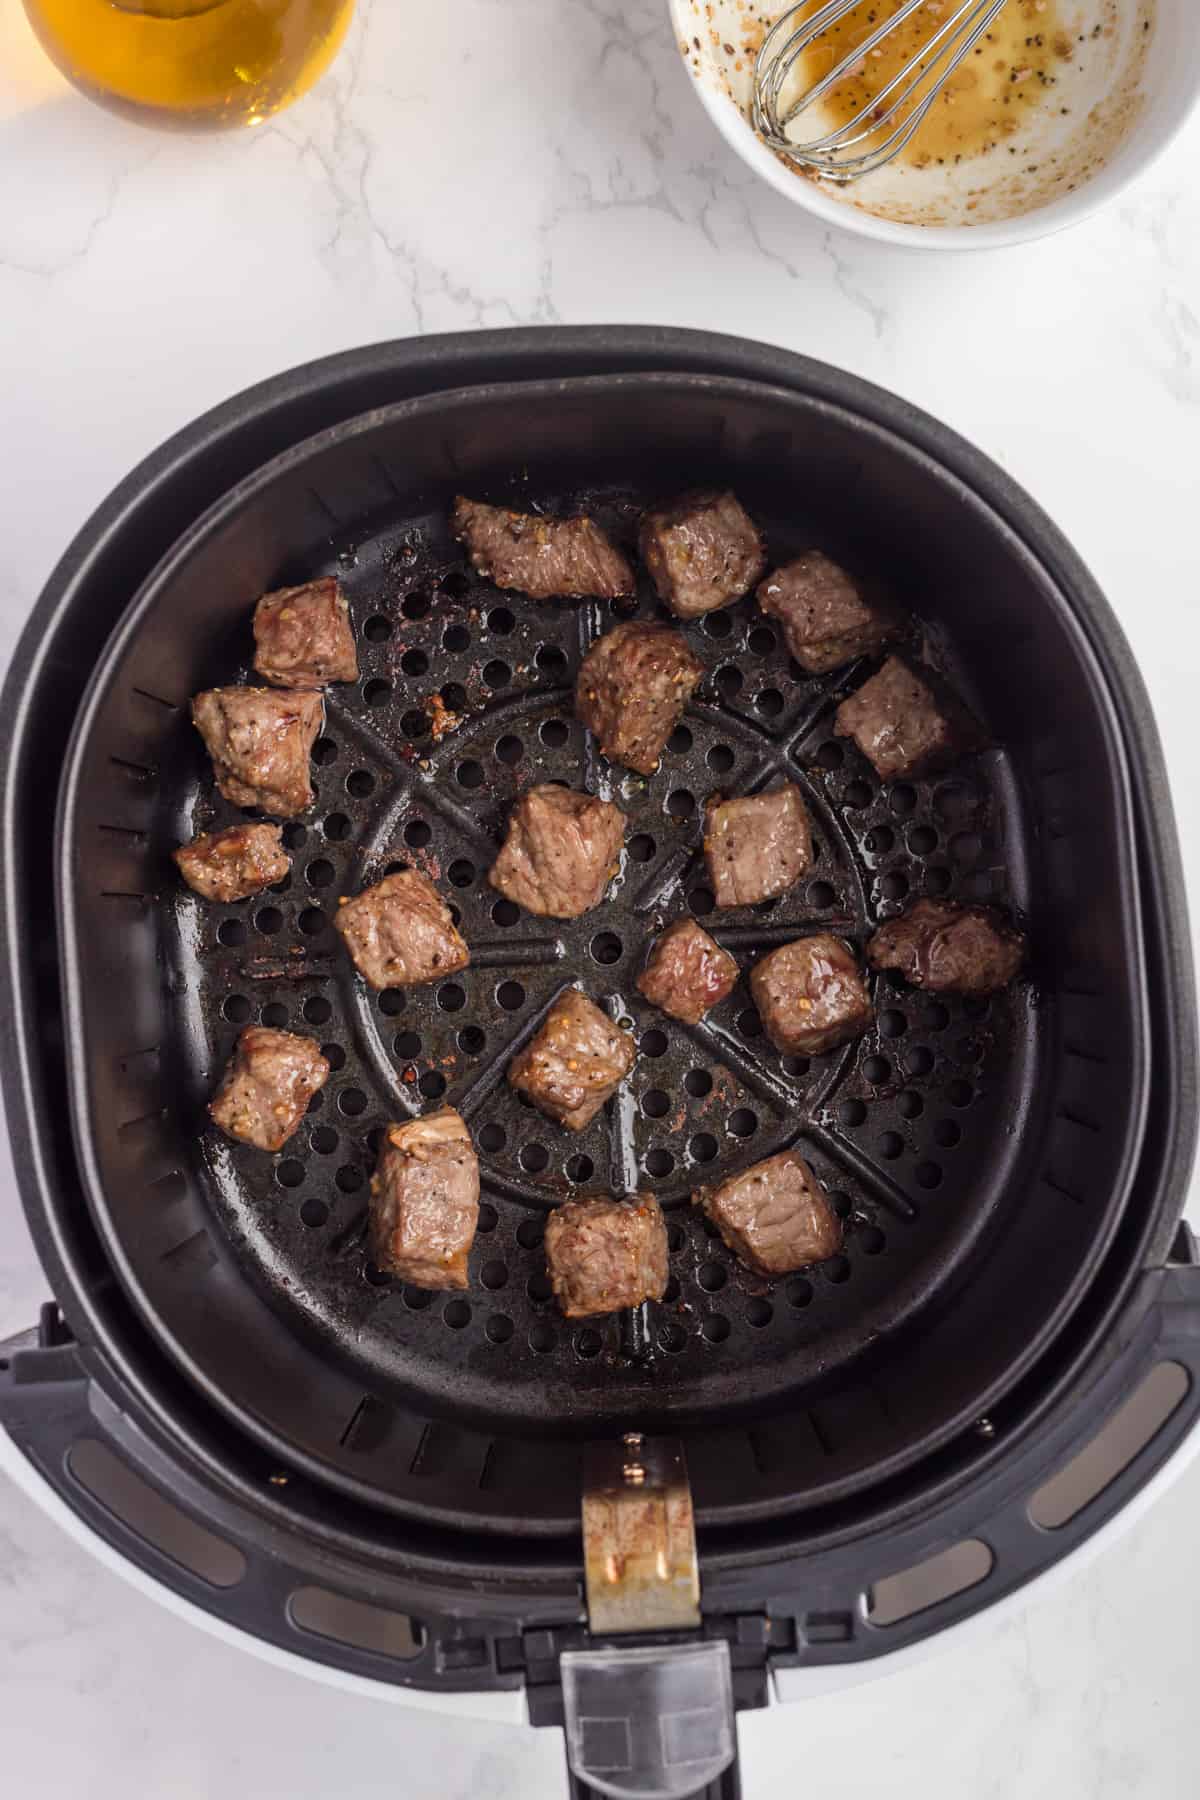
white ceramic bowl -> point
(1167, 89)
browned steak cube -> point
(425, 1201)
(687, 973)
(232, 864)
(774, 1216)
(605, 1254)
(944, 947)
(757, 847)
(633, 686)
(260, 741)
(560, 851)
(703, 551)
(265, 1091)
(905, 722)
(548, 559)
(827, 618)
(400, 932)
(811, 995)
(303, 637)
(574, 1062)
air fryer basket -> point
(981, 1155)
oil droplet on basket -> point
(1010, 73)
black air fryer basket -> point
(1011, 1173)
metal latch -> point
(639, 1537)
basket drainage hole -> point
(870, 1240)
(414, 662)
(606, 947)
(469, 775)
(509, 750)
(289, 1174)
(877, 1070)
(892, 1023)
(269, 920)
(837, 1270)
(510, 995)
(641, 847)
(656, 1104)
(681, 804)
(319, 874)
(432, 1084)
(698, 1082)
(588, 1343)
(236, 1009)
(472, 1040)
(672, 1337)
(715, 1328)
(505, 913)
(529, 1233)
(703, 1147)
(795, 1066)
(718, 625)
(324, 1140)
(317, 1011)
(759, 1313)
(232, 933)
(654, 1043)
(352, 1102)
(497, 674)
(499, 1329)
(416, 606)
(749, 1023)
(920, 1062)
(743, 1123)
(314, 1213)
(416, 1299)
(488, 1217)
(539, 1288)
(720, 759)
(492, 1138)
(676, 1239)
(799, 1293)
(857, 795)
(553, 733)
(579, 1168)
(377, 630)
(417, 834)
(928, 1174)
(324, 751)
(909, 1104)
(349, 1179)
(337, 827)
(852, 1113)
(534, 1158)
(456, 1313)
(659, 1164)
(541, 1340)
(494, 1274)
(334, 1055)
(701, 900)
(712, 1276)
(406, 1044)
(360, 783)
(312, 921)
(275, 1016)
(890, 1145)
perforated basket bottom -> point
(909, 1128)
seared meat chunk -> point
(687, 973)
(425, 1201)
(906, 723)
(400, 932)
(574, 1063)
(757, 847)
(265, 1091)
(948, 948)
(260, 741)
(774, 1216)
(232, 864)
(811, 995)
(633, 685)
(605, 1254)
(827, 618)
(548, 559)
(303, 637)
(560, 850)
(703, 551)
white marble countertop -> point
(504, 162)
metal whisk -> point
(905, 100)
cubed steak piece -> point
(757, 847)
(947, 948)
(425, 1201)
(401, 933)
(687, 974)
(303, 638)
(827, 617)
(548, 559)
(907, 723)
(260, 741)
(265, 1091)
(574, 1063)
(633, 685)
(233, 864)
(560, 851)
(605, 1254)
(811, 995)
(703, 551)
(774, 1216)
